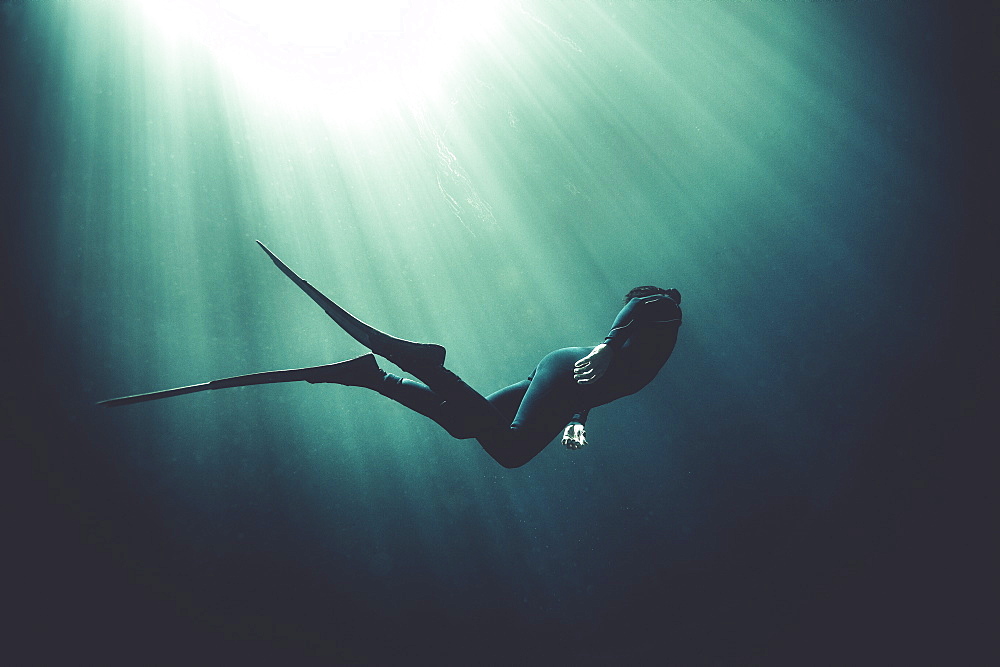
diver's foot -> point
(362, 371)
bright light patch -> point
(311, 24)
(356, 58)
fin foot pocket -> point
(362, 371)
(408, 355)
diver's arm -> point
(593, 366)
(624, 324)
(638, 312)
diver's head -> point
(650, 290)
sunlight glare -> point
(359, 58)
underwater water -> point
(492, 177)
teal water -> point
(492, 179)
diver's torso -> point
(633, 367)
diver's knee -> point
(519, 461)
(460, 432)
(522, 446)
(510, 461)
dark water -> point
(807, 174)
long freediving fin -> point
(313, 374)
(403, 353)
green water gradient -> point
(777, 162)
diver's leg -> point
(551, 400)
(425, 361)
(513, 425)
(457, 417)
(460, 397)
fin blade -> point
(314, 374)
(154, 395)
(357, 329)
(400, 351)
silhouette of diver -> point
(513, 424)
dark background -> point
(894, 574)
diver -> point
(513, 424)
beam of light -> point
(357, 59)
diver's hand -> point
(593, 366)
(574, 436)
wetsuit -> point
(517, 422)
(513, 424)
